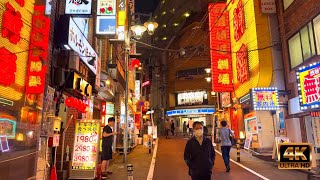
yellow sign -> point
(85, 150)
(259, 61)
(16, 41)
(121, 18)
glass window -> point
(295, 51)
(311, 39)
(305, 42)
(316, 26)
(287, 3)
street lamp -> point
(138, 30)
(151, 26)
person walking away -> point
(225, 134)
(107, 140)
(167, 128)
(199, 154)
(205, 129)
(184, 130)
(190, 123)
(172, 127)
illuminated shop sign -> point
(15, 22)
(76, 103)
(7, 128)
(220, 46)
(78, 7)
(308, 86)
(106, 7)
(146, 83)
(122, 13)
(251, 67)
(137, 89)
(225, 99)
(106, 25)
(191, 98)
(85, 150)
(265, 98)
(181, 112)
(78, 42)
(48, 7)
(36, 70)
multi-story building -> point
(299, 23)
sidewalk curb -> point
(153, 161)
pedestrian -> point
(184, 130)
(190, 124)
(205, 129)
(225, 135)
(107, 140)
(167, 128)
(172, 127)
(199, 154)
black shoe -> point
(228, 169)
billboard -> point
(78, 7)
(265, 98)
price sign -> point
(85, 150)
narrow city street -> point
(170, 165)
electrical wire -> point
(154, 47)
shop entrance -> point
(313, 134)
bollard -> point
(238, 150)
(130, 171)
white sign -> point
(78, 6)
(191, 98)
(48, 7)
(137, 89)
(268, 6)
(83, 25)
(56, 138)
(80, 44)
(120, 32)
(106, 25)
(106, 7)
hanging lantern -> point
(135, 63)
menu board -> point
(85, 150)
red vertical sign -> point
(220, 46)
(36, 69)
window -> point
(301, 46)
(287, 3)
(316, 26)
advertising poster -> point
(85, 151)
(78, 6)
(106, 25)
(106, 7)
(265, 98)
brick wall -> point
(69, 138)
(291, 21)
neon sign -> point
(11, 24)
(7, 128)
(309, 86)
(239, 23)
(242, 64)
(36, 69)
(265, 98)
(76, 103)
(220, 46)
(8, 67)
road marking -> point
(246, 168)
(153, 161)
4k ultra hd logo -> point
(295, 156)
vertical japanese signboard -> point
(36, 70)
(308, 86)
(85, 150)
(220, 48)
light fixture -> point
(138, 30)
(176, 24)
(173, 10)
(186, 14)
(213, 93)
(163, 1)
(208, 70)
(163, 13)
(164, 25)
(208, 79)
(151, 26)
(164, 38)
(108, 82)
(140, 68)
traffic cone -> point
(53, 175)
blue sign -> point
(180, 112)
(106, 25)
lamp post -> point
(138, 31)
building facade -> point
(299, 23)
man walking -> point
(225, 134)
(107, 140)
(199, 154)
(184, 128)
(190, 125)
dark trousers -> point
(226, 155)
(207, 177)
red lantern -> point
(135, 63)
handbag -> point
(230, 136)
